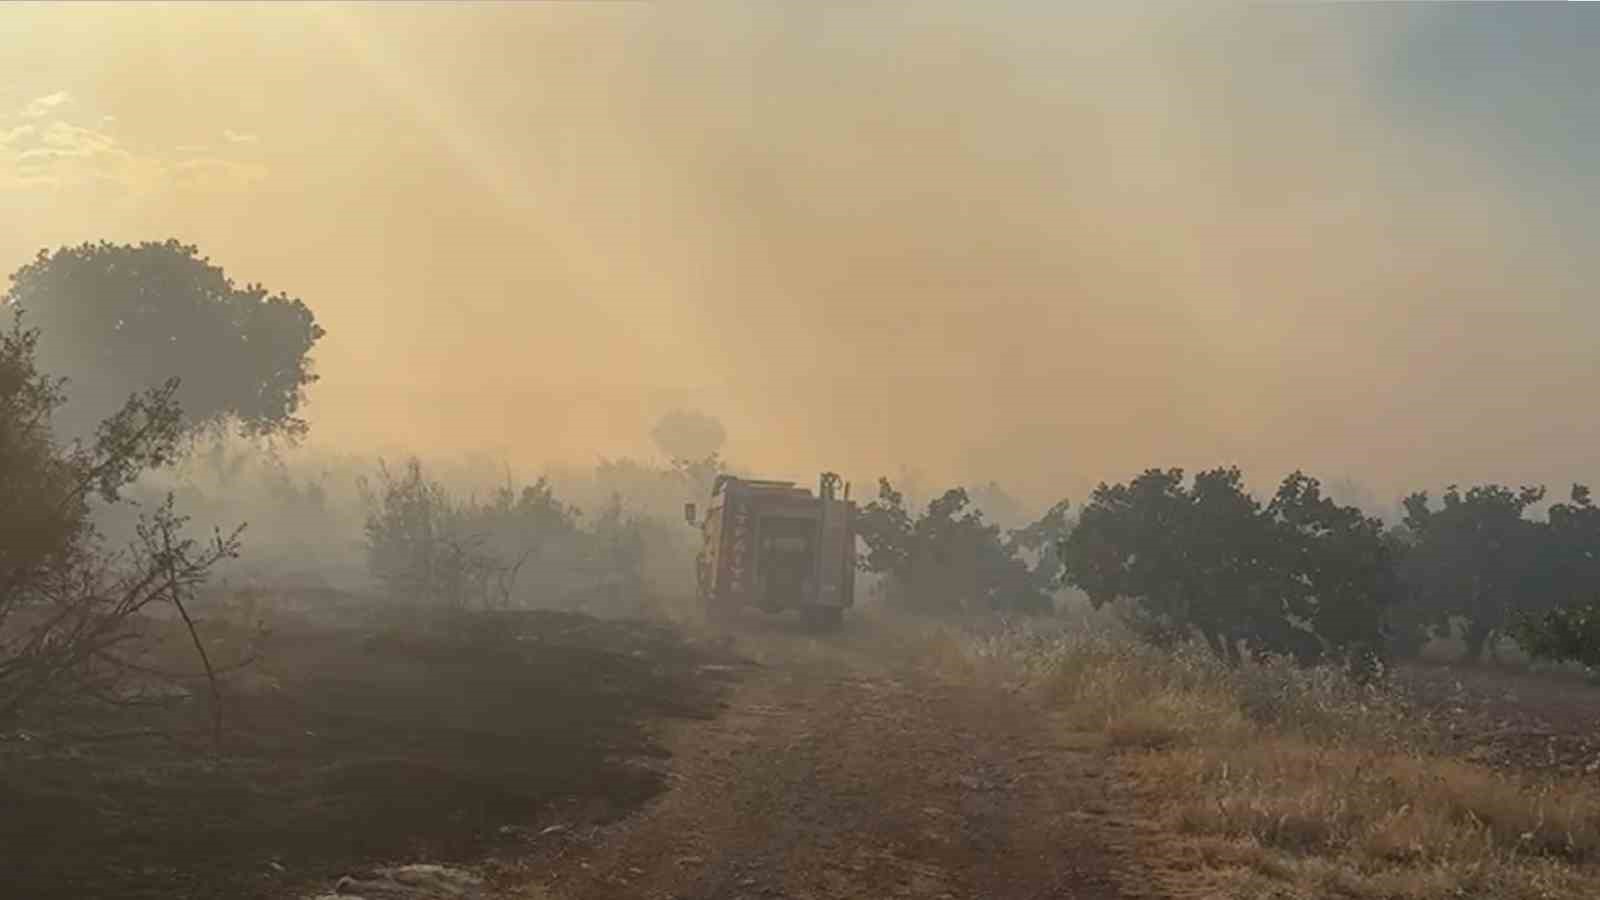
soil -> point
(346, 746)
(845, 768)
(1510, 718)
(561, 757)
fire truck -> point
(776, 546)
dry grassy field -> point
(1271, 781)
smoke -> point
(1040, 244)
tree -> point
(1337, 570)
(68, 606)
(1568, 634)
(1570, 631)
(946, 559)
(1476, 558)
(1168, 549)
(1571, 557)
(1301, 575)
(129, 317)
(689, 435)
(1042, 540)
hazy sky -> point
(979, 240)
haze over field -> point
(1049, 247)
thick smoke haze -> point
(1017, 243)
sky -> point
(984, 241)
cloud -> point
(16, 135)
(211, 173)
(61, 154)
(238, 137)
(39, 107)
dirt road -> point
(845, 767)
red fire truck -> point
(776, 546)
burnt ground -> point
(1510, 718)
(346, 746)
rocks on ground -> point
(413, 882)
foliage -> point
(1571, 556)
(689, 435)
(1476, 558)
(420, 546)
(1301, 575)
(430, 549)
(66, 603)
(949, 558)
(1338, 571)
(1568, 634)
(698, 475)
(617, 551)
(121, 317)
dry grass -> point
(1287, 782)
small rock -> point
(413, 882)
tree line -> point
(1296, 574)
(1305, 576)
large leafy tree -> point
(1301, 575)
(118, 318)
(1571, 557)
(1476, 558)
(1336, 567)
(1143, 541)
(1567, 628)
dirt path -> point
(845, 769)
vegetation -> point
(1304, 576)
(116, 318)
(1249, 701)
(519, 546)
(1476, 559)
(949, 559)
(1569, 634)
(1300, 575)
(1280, 780)
(68, 606)
(685, 434)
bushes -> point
(949, 559)
(69, 606)
(519, 545)
(1570, 634)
